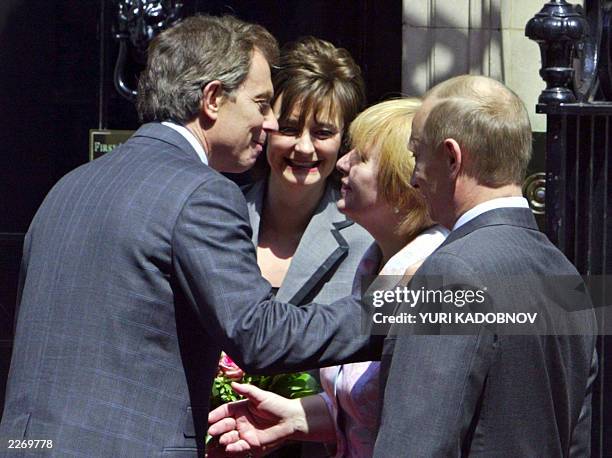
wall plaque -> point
(104, 141)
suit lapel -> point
(322, 246)
(254, 197)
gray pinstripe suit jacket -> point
(490, 395)
(138, 267)
(325, 262)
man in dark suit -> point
(138, 267)
(485, 394)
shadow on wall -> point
(439, 46)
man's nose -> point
(270, 123)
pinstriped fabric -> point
(487, 395)
(89, 225)
(140, 268)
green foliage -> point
(294, 386)
(222, 392)
(291, 386)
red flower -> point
(229, 368)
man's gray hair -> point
(186, 57)
(487, 119)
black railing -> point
(575, 45)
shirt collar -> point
(500, 202)
(193, 141)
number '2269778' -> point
(30, 443)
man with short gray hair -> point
(139, 267)
(489, 393)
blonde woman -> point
(375, 193)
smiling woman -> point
(306, 248)
(306, 154)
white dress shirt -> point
(500, 202)
(193, 141)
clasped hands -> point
(256, 425)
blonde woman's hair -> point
(386, 127)
(488, 120)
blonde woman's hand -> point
(257, 424)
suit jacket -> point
(322, 268)
(487, 394)
(325, 262)
(138, 267)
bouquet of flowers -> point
(291, 386)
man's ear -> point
(453, 155)
(212, 97)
